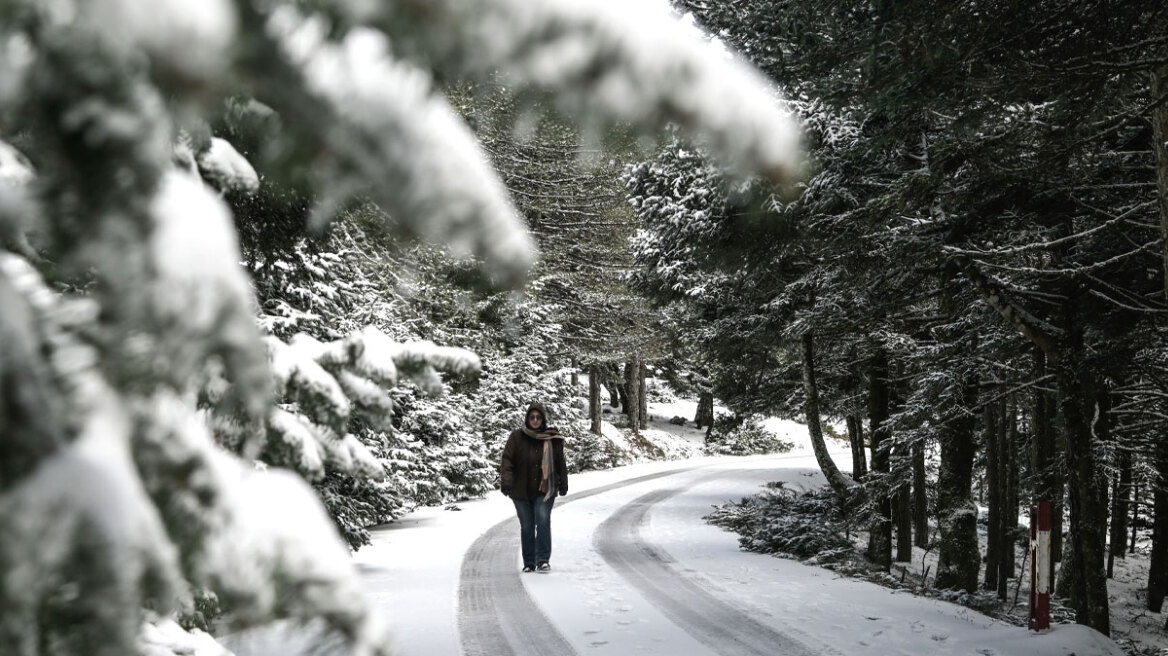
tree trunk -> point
(1088, 510)
(902, 504)
(1158, 559)
(880, 533)
(1158, 574)
(594, 399)
(993, 476)
(856, 439)
(920, 497)
(1009, 479)
(904, 524)
(643, 398)
(614, 390)
(1135, 517)
(958, 553)
(902, 498)
(626, 389)
(705, 414)
(1120, 495)
(1160, 148)
(1065, 588)
(632, 406)
(841, 485)
(1102, 431)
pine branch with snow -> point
(143, 360)
(322, 387)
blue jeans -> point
(535, 529)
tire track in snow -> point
(496, 616)
(722, 627)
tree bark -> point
(880, 533)
(594, 414)
(623, 392)
(1065, 586)
(1088, 509)
(958, 553)
(920, 497)
(856, 439)
(902, 504)
(904, 524)
(1009, 478)
(614, 390)
(959, 556)
(902, 498)
(993, 468)
(1158, 572)
(1135, 517)
(1158, 559)
(843, 486)
(632, 407)
(1160, 148)
(1120, 495)
(705, 413)
(643, 398)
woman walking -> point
(532, 472)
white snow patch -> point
(15, 168)
(285, 555)
(192, 38)
(300, 436)
(196, 253)
(228, 170)
(615, 436)
(164, 637)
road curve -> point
(724, 628)
(496, 616)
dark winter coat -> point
(519, 470)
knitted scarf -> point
(547, 467)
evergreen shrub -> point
(740, 436)
(807, 526)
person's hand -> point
(506, 491)
(564, 492)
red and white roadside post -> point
(1040, 566)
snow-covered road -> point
(637, 571)
(684, 596)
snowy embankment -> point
(412, 571)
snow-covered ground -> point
(412, 571)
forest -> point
(326, 251)
(975, 269)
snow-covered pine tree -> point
(567, 187)
(116, 497)
(1021, 177)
